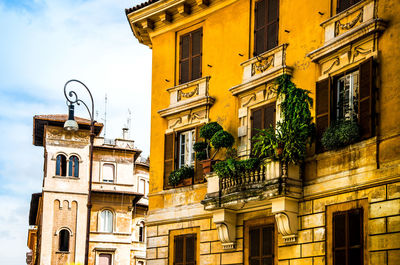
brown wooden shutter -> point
(198, 173)
(169, 155)
(256, 121)
(366, 113)
(259, 27)
(190, 249)
(179, 249)
(268, 245)
(184, 60)
(272, 24)
(322, 111)
(255, 242)
(269, 116)
(196, 53)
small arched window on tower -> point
(63, 240)
(61, 165)
(142, 231)
(73, 167)
(106, 221)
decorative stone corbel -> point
(225, 221)
(286, 211)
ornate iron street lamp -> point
(72, 125)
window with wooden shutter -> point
(322, 110)
(169, 155)
(263, 118)
(344, 4)
(348, 237)
(185, 249)
(261, 250)
(266, 25)
(190, 56)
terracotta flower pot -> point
(187, 182)
(207, 165)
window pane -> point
(105, 259)
(272, 38)
(185, 46)
(260, 14)
(260, 41)
(106, 219)
(196, 67)
(64, 240)
(196, 42)
(268, 240)
(108, 172)
(255, 243)
(184, 70)
(339, 221)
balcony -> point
(253, 187)
(188, 96)
(263, 68)
(347, 27)
(272, 186)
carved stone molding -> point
(349, 25)
(286, 212)
(225, 221)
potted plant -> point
(340, 134)
(214, 138)
(183, 175)
(287, 142)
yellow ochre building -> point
(217, 60)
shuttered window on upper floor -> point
(178, 152)
(349, 95)
(266, 25)
(344, 4)
(263, 118)
(190, 54)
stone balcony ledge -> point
(263, 68)
(188, 96)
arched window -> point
(61, 165)
(106, 221)
(63, 240)
(73, 167)
(142, 231)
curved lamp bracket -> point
(225, 221)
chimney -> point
(125, 133)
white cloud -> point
(42, 47)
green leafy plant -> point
(179, 174)
(214, 136)
(340, 134)
(288, 141)
(233, 167)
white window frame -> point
(114, 172)
(186, 154)
(350, 83)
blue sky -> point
(43, 44)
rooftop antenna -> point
(105, 115)
(127, 127)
